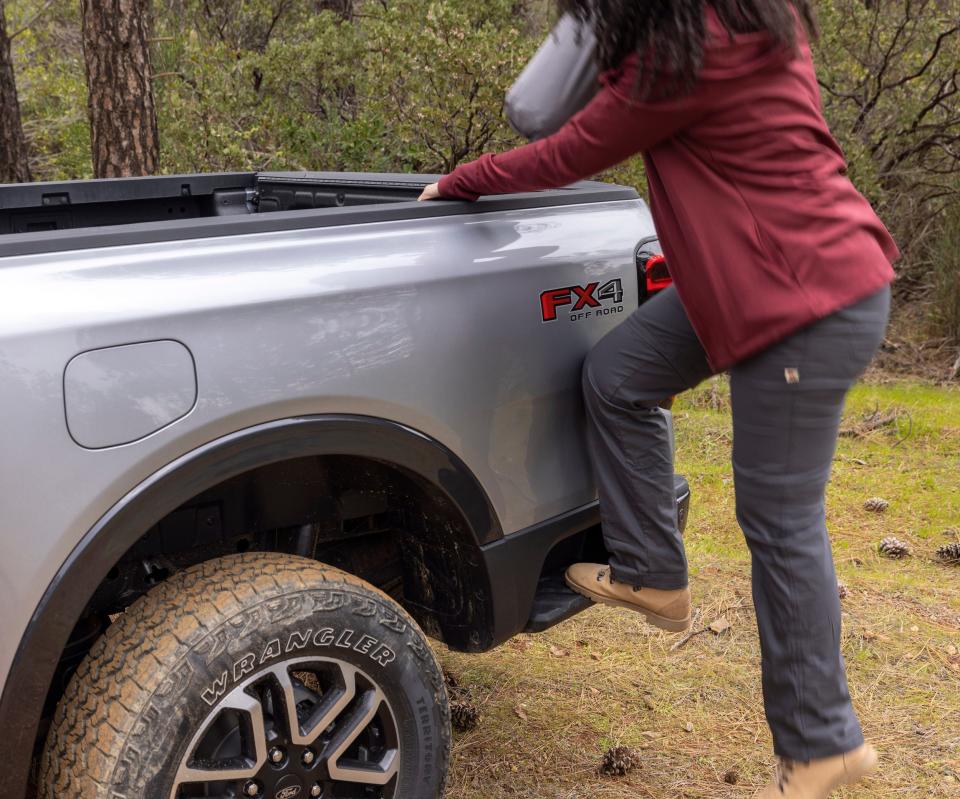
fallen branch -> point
(693, 631)
(872, 421)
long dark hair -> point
(671, 32)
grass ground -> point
(552, 704)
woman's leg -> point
(787, 404)
(651, 356)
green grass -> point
(552, 704)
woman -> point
(782, 274)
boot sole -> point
(670, 625)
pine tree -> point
(123, 120)
(14, 162)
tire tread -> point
(101, 705)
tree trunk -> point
(14, 164)
(123, 119)
(344, 8)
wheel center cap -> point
(290, 787)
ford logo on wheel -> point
(289, 792)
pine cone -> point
(842, 590)
(949, 553)
(464, 716)
(876, 505)
(894, 548)
(450, 679)
(619, 760)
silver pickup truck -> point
(264, 432)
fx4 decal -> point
(584, 301)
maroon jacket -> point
(762, 229)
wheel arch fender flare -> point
(54, 618)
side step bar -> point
(554, 602)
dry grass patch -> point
(552, 705)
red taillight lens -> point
(652, 272)
(656, 274)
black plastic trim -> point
(15, 196)
(554, 603)
(208, 227)
(514, 564)
(65, 598)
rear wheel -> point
(258, 675)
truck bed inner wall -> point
(56, 217)
(38, 208)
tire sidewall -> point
(341, 622)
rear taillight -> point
(652, 272)
(656, 273)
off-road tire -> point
(126, 719)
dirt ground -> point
(551, 705)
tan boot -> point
(668, 610)
(818, 778)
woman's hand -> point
(431, 192)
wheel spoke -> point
(330, 706)
(354, 770)
(229, 752)
(242, 702)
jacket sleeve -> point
(610, 129)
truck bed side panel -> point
(436, 324)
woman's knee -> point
(596, 380)
(606, 392)
(771, 518)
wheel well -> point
(414, 503)
(373, 519)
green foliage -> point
(441, 81)
(945, 257)
(889, 73)
(410, 86)
(52, 88)
(891, 79)
(418, 85)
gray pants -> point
(787, 403)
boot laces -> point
(601, 575)
(783, 772)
